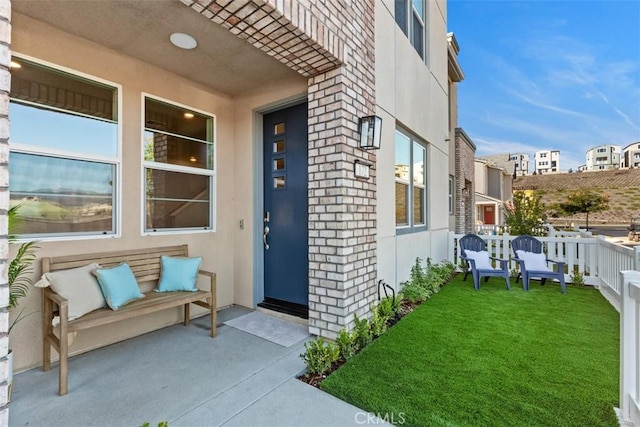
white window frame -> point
(211, 173)
(410, 12)
(116, 161)
(411, 227)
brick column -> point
(5, 86)
(342, 215)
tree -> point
(525, 214)
(585, 201)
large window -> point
(178, 167)
(64, 157)
(411, 183)
(411, 18)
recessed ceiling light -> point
(188, 115)
(14, 64)
(183, 41)
(193, 159)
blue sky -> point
(562, 75)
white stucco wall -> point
(413, 95)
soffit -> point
(141, 29)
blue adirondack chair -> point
(474, 252)
(532, 250)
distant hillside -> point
(622, 186)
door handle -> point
(264, 237)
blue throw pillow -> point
(178, 274)
(118, 285)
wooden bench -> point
(145, 264)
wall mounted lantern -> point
(370, 131)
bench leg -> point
(63, 368)
(47, 330)
(187, 315)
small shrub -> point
(362, 332)
(513, 273)
(388, 307)
(378, 324)
(346, 342)
(426, 281)
(319, 355)
(577, 278)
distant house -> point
(505, 161)
(522, 163)
(631, 156)
(603, 157)
(547, 161)
(494, 186)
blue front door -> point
(285, 232)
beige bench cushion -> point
(80, 287)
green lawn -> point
(492, 358)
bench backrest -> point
(145, 262)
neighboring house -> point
(124, 138)
(631, 156)
(494, 186)
(461, 153)
(465, 217)
(522, 163)
(547, 161)
(504, 161)
(603, 157)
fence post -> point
(636, 258)
(629, 353)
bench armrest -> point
(57, 299)
(212, 285)
(212, 279)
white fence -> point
(630, 348)
(580, 254)
(615, 270)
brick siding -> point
(465, 152)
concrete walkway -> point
(179, 375)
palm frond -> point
(19, 267)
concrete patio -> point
(178, 374)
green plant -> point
(378, 324)
(362, 332)
(425, 281)
(20, 266)
(160, 424)
(513, 273)
(387, 307)
(577, 278)
(319, 355)
(346, 342)
(524, 214)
